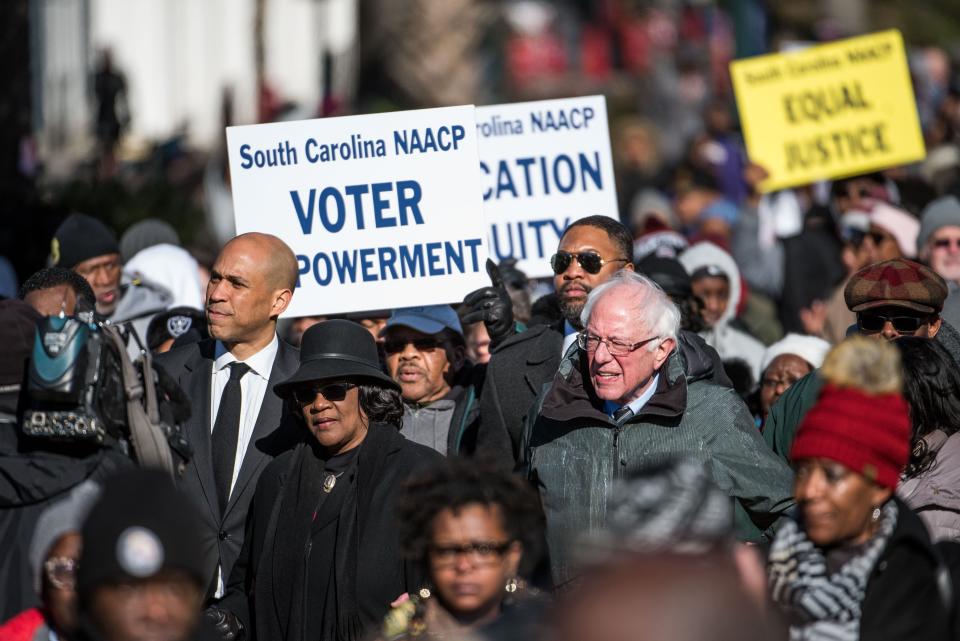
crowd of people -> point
(731, 415)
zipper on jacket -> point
(617, 467)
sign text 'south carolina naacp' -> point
(382, 210)
(543, 165)
(829, 111)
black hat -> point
(79, 238)
(18, 327)
(141, 524)
(175, 323)
(669, 273)
(336, 349)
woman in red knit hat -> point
(855, 563)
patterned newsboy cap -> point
(898, 282)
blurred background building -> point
(144, 135)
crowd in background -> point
(729, 415)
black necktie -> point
(223, 441)
(622, 415)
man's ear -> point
(281, 300)
(935, 326)
(662, 351)
(457, 355)
(629, 266)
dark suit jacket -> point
(516, 373)
(275, 431)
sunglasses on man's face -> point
(425, 344)
(306, 394)
(947, 243)
(873, 323)
(589, 261)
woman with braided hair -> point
(855, 563)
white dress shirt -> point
(253, 386)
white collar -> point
(260, 363)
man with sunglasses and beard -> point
(425, 354)
(591, 250)
(892, 298)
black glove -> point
(493, 306)
(225, 623)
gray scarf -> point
(822, 606)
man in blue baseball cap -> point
(425, 355)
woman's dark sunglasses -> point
(306, 394)
(873, 323)
(589, 261)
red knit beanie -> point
(867, 434)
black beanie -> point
(669, 273)
(79, 238)
(18, 328)
(141, 524)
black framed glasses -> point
(873, 323)
(477, 552)
(306, 394)
(61, 571)
(589, 261)
(425, 344)
(591, 343)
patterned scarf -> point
(821, 606)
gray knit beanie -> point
(146, 233)
(61, 517)
(674, 507)
(942, 212)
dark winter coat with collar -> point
(523, 364)
(574, 452)
(385, 461)
(904, 600)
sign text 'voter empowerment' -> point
(382, 210)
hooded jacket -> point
(140, 301)
(574, 452)
(727, 340)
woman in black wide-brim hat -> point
(322, 557)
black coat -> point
(385, 460)
(32, 478)
(902, 601)
(275, 431)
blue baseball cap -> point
(431, 319)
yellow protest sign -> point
(829, 111)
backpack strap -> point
(150, 445)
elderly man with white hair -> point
(626, 399)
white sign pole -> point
(382, 210)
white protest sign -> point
(543, 165)
(381, 210)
